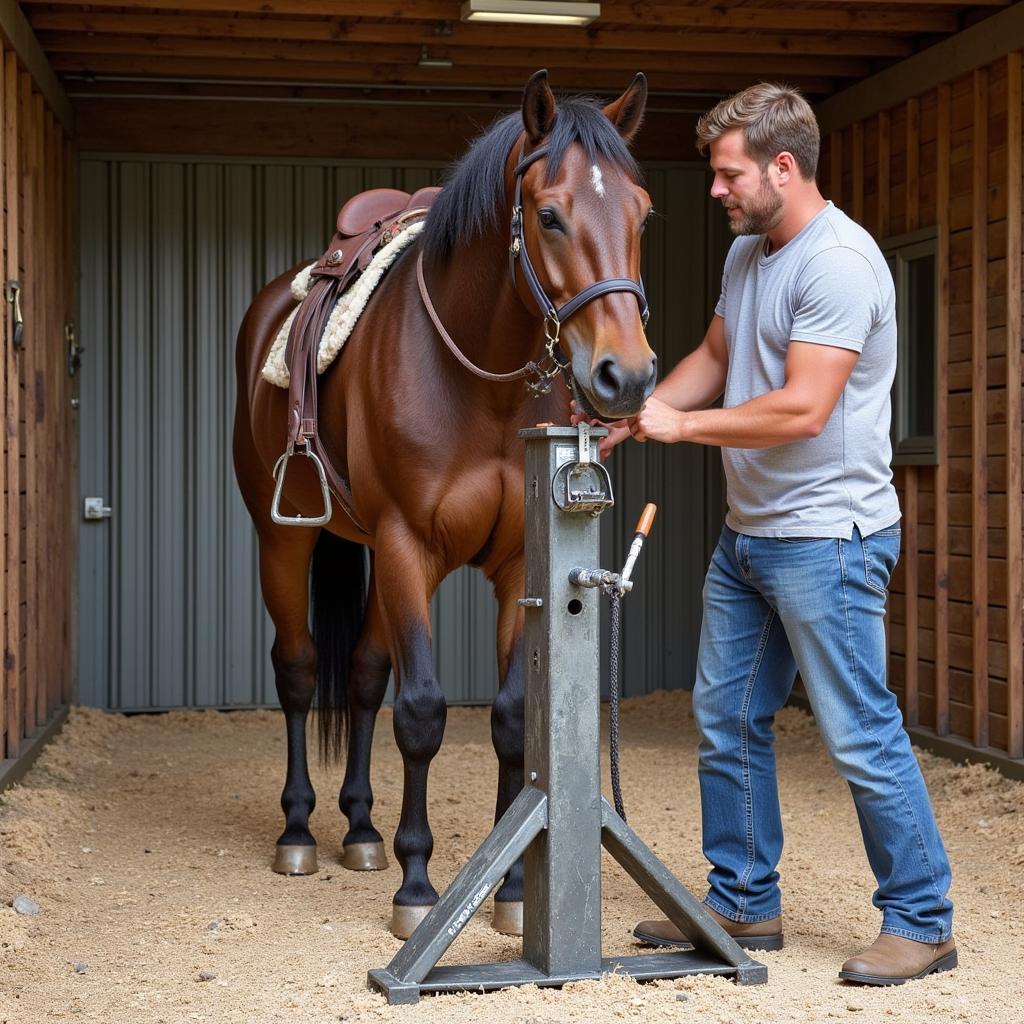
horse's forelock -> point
(473, 197)
(580, 120)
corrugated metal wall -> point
(172, 252)
(685, 249)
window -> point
(914, 264)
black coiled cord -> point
(615, 667)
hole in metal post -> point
(575, 606)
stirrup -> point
(280, 471)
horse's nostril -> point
(607, 379)
(652, 378)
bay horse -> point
(431, 453)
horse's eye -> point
(548, 219)
(643, 223)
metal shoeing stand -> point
(559, 821)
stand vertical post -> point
(562, 911)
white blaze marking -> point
(596, 180)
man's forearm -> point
(694, 383)
(779, 417)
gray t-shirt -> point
(829, 285)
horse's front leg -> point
(405, 582)
(363, 847)
(507, 735)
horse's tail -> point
(339, 602)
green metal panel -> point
(172, 252)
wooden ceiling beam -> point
(158, 48)
(371, 75)
(513, 36)
(840, 18)
(929, 3)
(349, 133)
(341, 95)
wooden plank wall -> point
(38, 480)
(952, 158)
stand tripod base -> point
(413, 969)
(509, 973)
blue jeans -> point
(772, 607)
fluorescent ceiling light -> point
(426, 61)
(534, 12)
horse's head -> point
(583, 211)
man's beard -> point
(760, 214)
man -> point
(803, 344)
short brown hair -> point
(774, 118)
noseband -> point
(553, 316)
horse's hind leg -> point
(508, 737)
(284, 577)
(363, 847)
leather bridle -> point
(554, 361)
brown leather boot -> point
(892, 960)
(762, 935)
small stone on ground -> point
(25, 905)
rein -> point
(553, 316)
(543, 375)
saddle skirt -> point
(346, 311)
(367, 223)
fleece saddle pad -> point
(346, 312)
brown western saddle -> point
(366, 223)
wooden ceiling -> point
(696, 48)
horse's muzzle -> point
(612, 391)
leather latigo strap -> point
(301, 356)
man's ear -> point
(538, 107)
(786, 166)
(627, 111)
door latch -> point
(74, 349)
(95, 509)
(14, 298)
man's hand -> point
(657, 421)
(617, 431)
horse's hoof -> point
(364, 857)
(508, 917)
(405, 919)
(295, 860)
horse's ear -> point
(627, 111)
(538, 106)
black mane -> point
(473, 198)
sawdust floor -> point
(146, 842)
